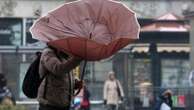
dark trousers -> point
(111, 107)
(48, 107)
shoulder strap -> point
(117, 83)
(118, 88)
(46, 83)
(45, 86)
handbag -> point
(85, 103)
(164, 106)
(118, 90)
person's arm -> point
(55, 66)
(88, 92)
(170, 102)
(157, 104)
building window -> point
(175, 73)
(142, 71)
(95, 77)
(143, 94)
(10, 32)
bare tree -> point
(7, 7)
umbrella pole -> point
(82, 77)
(83, 70)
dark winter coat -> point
(161, 100)
(57, 87)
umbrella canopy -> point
(90, 29)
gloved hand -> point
(105, 102)
(122, 98)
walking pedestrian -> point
(113, 92)
(85, 104)
(82, 101)
(164, 101)
(5, 93)
(56, 89)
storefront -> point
(173, 74)
(161, 61)
(10, 31)
(158, 60)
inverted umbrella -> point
(90, 29)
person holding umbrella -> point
(56, 90)
(113, 92)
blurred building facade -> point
(160, 59)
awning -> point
(144, 48)
(167, 23)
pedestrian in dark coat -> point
(5, 92)
(165, 97)
(56, 90)
(85, 104)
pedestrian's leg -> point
(41, 107)
(114, 107)
(44, 107)
(109, 107)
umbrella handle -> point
(82, 76)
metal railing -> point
(144, 99)
(33, 104)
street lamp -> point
(188, 12)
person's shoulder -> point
(107, 81)
(47, 51)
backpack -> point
(32, 79)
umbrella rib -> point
(60, 30)
(82, 27)
(68, 44)
(91, 12)
(78, 24)
(62, 23)
(101, 52)
(49, 39)
(118, 43)
(86, 48)
(111, 34)
(53, 27)
(98, 16)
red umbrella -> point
(90, 29)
